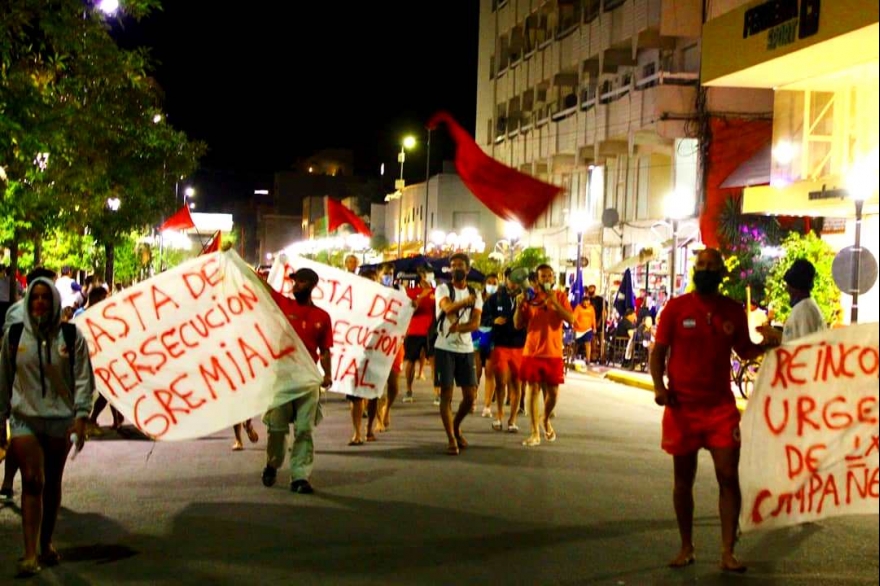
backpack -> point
(68, 331)
(437, 323)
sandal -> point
(27, 568)
(496, 425)
(462, 443)
(50, 558)
(551, 437)
(512, 428)
(452, 450)
(532, 441)
(356, 442)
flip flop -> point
(496, 425)
(551, 437)
(688, 561)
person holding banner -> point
(697, 332)
(45, 395)
(459, 308)
(805, 317)
(313, 326)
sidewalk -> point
(642, 380)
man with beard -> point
(313, 326)
(697, 332)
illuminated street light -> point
(108, 7)
(862, 180)
(157, 118)
(113, 204)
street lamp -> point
(189, 192)
(677, 206)
(408, 143)
(579, 220)
(513, 231)
(862, 181)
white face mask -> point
(547, 287)
(491, 289)
(431, 280)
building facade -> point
(820, 60)
(603, 98)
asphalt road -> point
(592, 508)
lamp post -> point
(408, 143)
(862, 181)
(427, 193)
(579, 220)
(513, 231)
(678, 205)
(189, 192)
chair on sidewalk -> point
(617, 350)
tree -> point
(530, 258)
(77, 126)
(825, 292)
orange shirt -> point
(544, 328)
(584, 318)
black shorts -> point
(454, 369)
(412, 347)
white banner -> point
(810, 431)
(369, 323)
(196, 349)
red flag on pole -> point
(338, 214)
(181, 220)
(213, 245)
(508, 193)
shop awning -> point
(646, 255)
(755, 171)
(804, 198)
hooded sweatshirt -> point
(43, 385)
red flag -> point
(181, 220)
(508, 193)
(338, 214)
(213, 245)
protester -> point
(459, 308)
(542, 365)
(314, 328)
(805, 317)
(15, 314)
(584, 328)
(68, 289)
(351, 264)
(483, 348)
(416, 341)
(697, 332)
(45, 395)
(507, 351)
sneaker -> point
(301, 487)
(6, 495)
(436, 401)
(487, 412)
(269, 475)
(408, 398)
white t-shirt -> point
(805, 318)
(457, 342)
(69, 297)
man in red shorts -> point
(314, 328)
(507, 350)
(542, 366)
(697, 331)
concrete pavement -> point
(593, 507)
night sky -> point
(266, 83)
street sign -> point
(842, 270)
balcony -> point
(652, 74)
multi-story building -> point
(820, 60)
(441, 212)
(602, 97)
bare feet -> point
(729, 563)
(452, 449)
(251, 433)
(684, 558)
(237, 447)
(371, 437)
(462, 443)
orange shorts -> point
(507, 360)
(686, 428)
(397, 365)
(540, 369)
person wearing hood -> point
(46, 398)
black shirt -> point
(623, 328)
(502, 304)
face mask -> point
(707, 281)
(459, 275)
(302, 297)
(547, 287)
(491, 289)
(432, 281)
(387, 280)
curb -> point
(647, 385)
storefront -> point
(822, 61)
